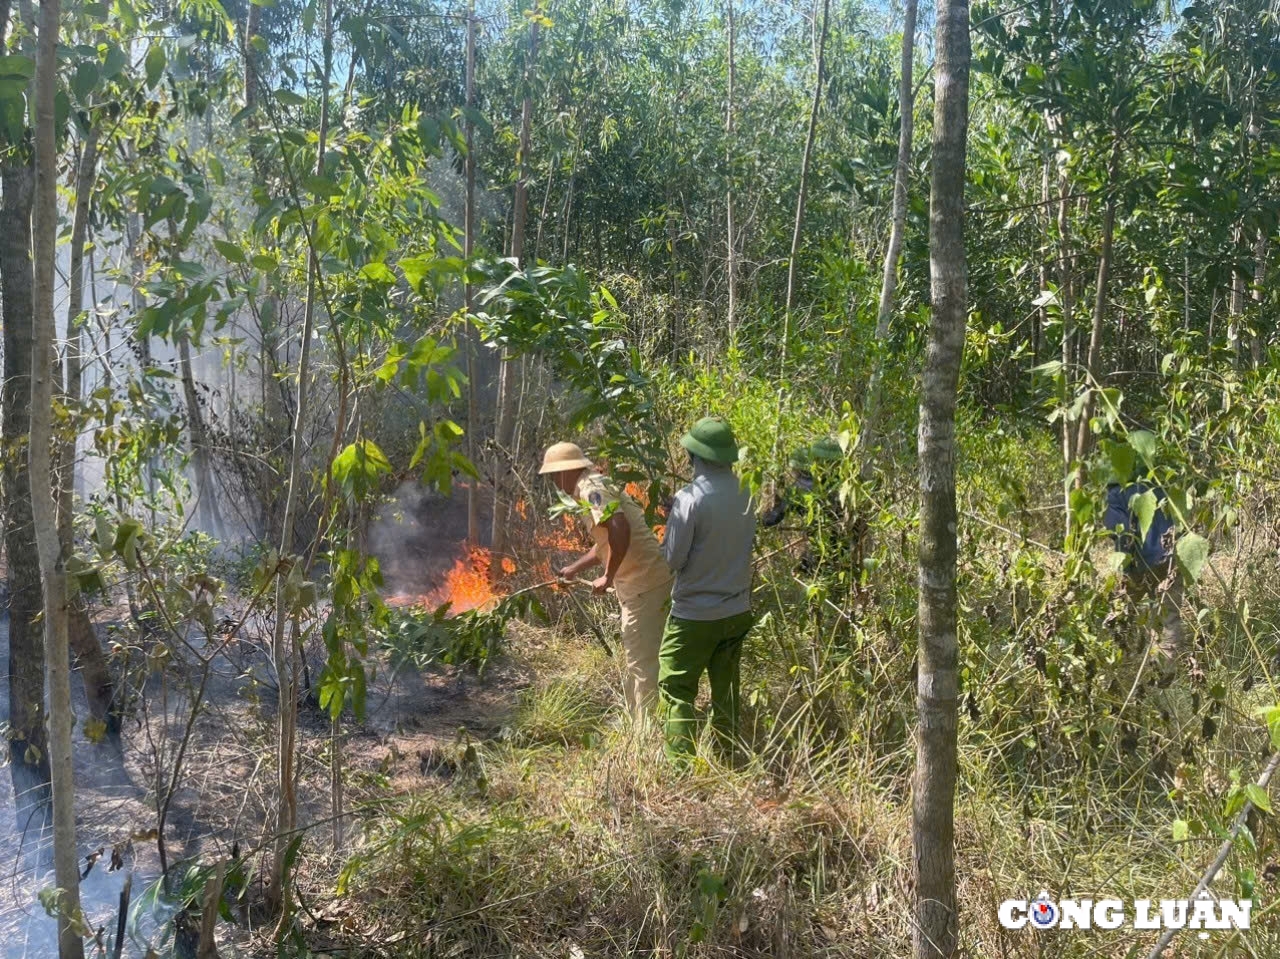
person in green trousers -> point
(710, 532)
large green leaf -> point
(1144, 443)
(84, 80)
(155, 63)
(1144, 506)
(1193, 554)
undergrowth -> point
(575, 837)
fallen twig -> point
(1223, 852)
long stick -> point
(1223, 852)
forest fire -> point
(477, 581)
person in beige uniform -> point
(633, 566)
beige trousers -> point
(643, 619)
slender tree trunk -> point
(208, 515)
(1066, 300)
(1257, 342)
(889, 279)
(509, 373)
(1042, 312)
(468, 246)
(1235, 304)
(207, 948)
(805, 161)
(731, 250)
(44, 503)
(1094, 357)
(86, 172)
(933, 807)
(28, 743)
(1186, 292)
(282, 645)
(94, 671)
(799, 222)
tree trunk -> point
(889, 279)
(1257, 344)
(95, 673)
(208, 515)
(468, 246)
(28, 744)
(207, 948)
(933, 808)
(1066, 300)
(799, 222)
(731, 258)
(804, 162)
(1235, 304)
(1094, 357)
(44, 499)
(509, 373)
(86, 172)
(282, 646)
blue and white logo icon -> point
(1043, 913)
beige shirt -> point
(643, 568)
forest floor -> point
(520, 813)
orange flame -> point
(467, 585)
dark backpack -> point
(1151, 551)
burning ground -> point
(420, 538)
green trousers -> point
(689, 648)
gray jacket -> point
(710, 532)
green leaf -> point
(267, 264)
(415, 269)
(378, 272)
(1181, 830)
(1193, 553)
(114, 62)
(85, 79)
(16, 65)
(1144, 443)
(321, 186)
(1123, 460)
(1258, 796)
(232, 252)
(289, 98)
(1144, 506)
(155, 63)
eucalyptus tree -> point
(933, 801)
(53, 556)
(28, 742)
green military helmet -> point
(712, 439)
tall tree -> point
(1093, 358)
(44, 233)
(283, 637)
(468, 247)
(509, 373)
(28, 742)
(807, 158)
(898, 225)
(798, 228)
(731, 258)
(94, 670)
(933, 812)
